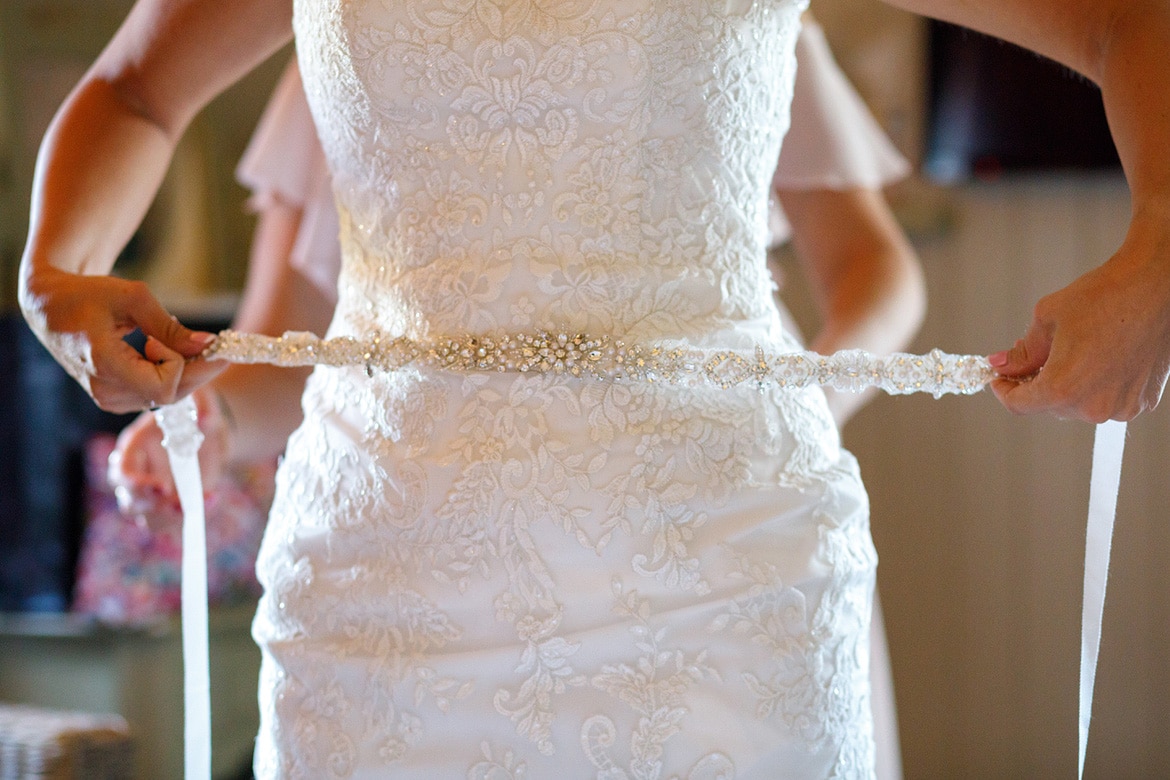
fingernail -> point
(203, 339)
(998, 360)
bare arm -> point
(864, 274)
(1102, 344)
(247, 412)
(99, 167)
(265, 401)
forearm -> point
(1099, 348)
(864, 275)
(109, 146)
(100, 166)
(264, 402)
(1135, 85)
(98, 169)
(878, 305)
(1119, 44)
(262, 405)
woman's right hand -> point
(82, 320)
(139, 470)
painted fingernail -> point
(203, 339)
(998, 359)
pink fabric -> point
(129, 574)
(834, 141)
(284, 162)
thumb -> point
(1028, 355)
(153, 320)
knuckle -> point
(99, 391)
(137, 291)
(1131, 410)
(108, 402)
(1043, 310)
(172, 327)
(1151, 399)
(1013, 403)
(1097, 410)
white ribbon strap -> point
(1108, 446)
(181, 438)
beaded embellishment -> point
(612, 360)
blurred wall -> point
(979, 519)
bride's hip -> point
(718, 440)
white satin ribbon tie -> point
(181, 438)
(1108, 447)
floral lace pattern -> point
(522, 574)
(529, 153)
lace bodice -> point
(592, 166)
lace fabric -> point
(613, 360)
(578, 164)
(514, 574)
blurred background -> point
(87, 597)
(978, 516)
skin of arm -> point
(247, 412)
(1099, 348)
(864, 275)
(265, 401)
(99, 167)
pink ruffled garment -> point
(284, 162)
(834, 142)
(128, 574)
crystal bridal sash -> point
(597, 358)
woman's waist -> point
(602, 430)
(518, 284)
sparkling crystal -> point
(606, 359)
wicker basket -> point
(40, 744)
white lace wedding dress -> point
(505, 574)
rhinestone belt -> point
(609, 359)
